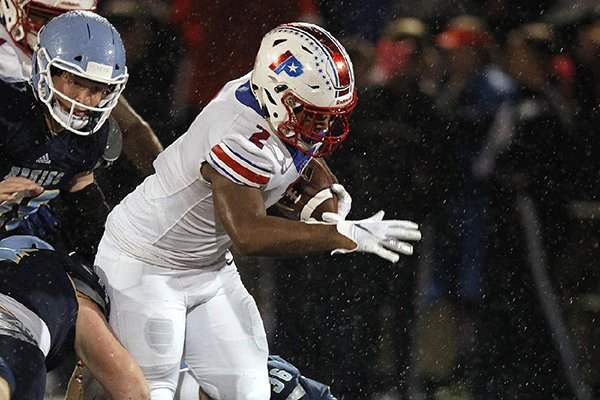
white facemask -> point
(69, 118)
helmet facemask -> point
(68, 118)
(316, 131)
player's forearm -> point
(107, 360)
(279, 237)
(141, 146)
(242, 212)
(140, 143)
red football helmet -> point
(24, 18)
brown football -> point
(310, 196)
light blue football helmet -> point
(87, 45)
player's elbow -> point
(247, 243)
(245, 246)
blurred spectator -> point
(402, 41)
(153, 52)
(154, 49)
(362, 54)
(397, 134)
(472, 90)
(386, 163)
(587, 112)
(579, 283)
(221, 39)
(360, 18)
(532, 144)
(395, 126)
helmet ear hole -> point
(271, 99)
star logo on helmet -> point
(287, 63)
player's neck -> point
(53, 126)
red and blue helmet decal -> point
(288, 63)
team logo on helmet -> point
(288, 63)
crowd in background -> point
(467, 111)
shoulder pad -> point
(114, 145)
(87, 283)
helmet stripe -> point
(338, 56)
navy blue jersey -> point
(37, 278)
(288, 384)
(29, 150)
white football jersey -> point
(169, 220)
(15, 64)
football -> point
(311, 195)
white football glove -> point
(344, 204)
(383, 238)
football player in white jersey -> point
(22, 20)
(173, 284)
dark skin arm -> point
(140, 144)
(242, 211)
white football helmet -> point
(303, 80)
(24, 18)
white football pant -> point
(206, 318)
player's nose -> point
(89, 97)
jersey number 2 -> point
(258, 136)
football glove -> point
(344, 204)
(385, 238)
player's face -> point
(82, 90)
(312, 121)
(319, 123)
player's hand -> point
(385, 238)
(15, 187)
(344, 204)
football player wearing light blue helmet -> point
(92, 57)
(46, 128)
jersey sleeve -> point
(11, 67)
(241, 161)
